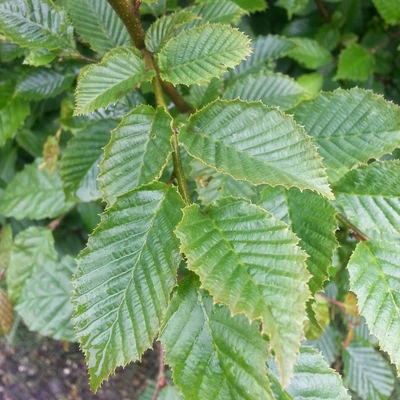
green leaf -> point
(6, 313)
(309, 53)
(350, 127)
(12, 116)
(165, 28)
(252, 6)
(313, 379)
(213, 355)
(32, 248)
(328, 344)
(389, 10)
(374, 279)
(201, 95)
(367, 373)
(252, 142)
(34, 194)
(125, 276)
(137, 153)
(110, 80)
(250, 261)
(168, 392)
(312, 218)
(370, 196)
(292, 6)
(80, 161)
(355, 64)
(45, 301)
(40, 57)
(35, 24)
(275, 90)
(10, 51)
(43, 83)
(6, 243)
(98, 24)
(264, 48)
(211, 185)
(196, 55)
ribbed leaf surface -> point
(34, 194)
(35, 24)
(370, 196)
(45, 301)
(213, 355)
(201, 95)
(350, 127)
(80, 162)
(328, 344)
(309, 53)
(110, 80)
(42, 83)
(252, 142)
(125, 276)
(165, 28)
(367, 373)
(389, 10)
(6, 313)
(374, 278)
(98, 24)
(12, 116)
(138, 151)
(313, 379)
(312, 218)
(275, 90)
(199, 54)
(250, 261)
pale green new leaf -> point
(374, 278)
(45, 300)
(80, 161)
(110, 80)
(213, 355)
(350, 127)
(35, 24)
(252, 142)
(367, 373)
(125, 276)
(264, 48)
(292, 6)
(275, 90)
(43, 83)
(165, 28)
(6, 243)
(12, 116)
(355, 64)
(196, 55)
(312, 218)
(211, 185)
(32, 248)
(40, 57)
(250, 261)
(309, 53)
(138, 151)
(98, 24)
(312, 378)
(389, 10)
(370, 196)
(252, 6)
(34, 194)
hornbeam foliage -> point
(220, 176)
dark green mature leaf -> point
(110, 80)
(252, 142)
(98, 24)
(45, 300)
(138, 151)
(201, 95)
(42, 83)
(367, 373)
(312, 218)
(292, 6)
(389, 9)
(275, 90)
(12, 116)
(350, 127)
(35, 24)
(32, 248)
(80, 162)
(374, 278)
(309, 53)
(10, 51)
(313, 379)
(250, 261)
(370, 196)
(125, 276)
(328, 344)
(355, 64)
(34, 194)
(213, 355)
(199, 54)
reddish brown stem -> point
(161, 378)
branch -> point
(161, 379)
(324, 12)
(355, 232)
